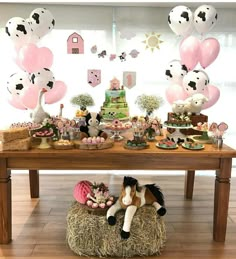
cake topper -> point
(114, 84)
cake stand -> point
(44, 142)
(116, 133)
(177, 134)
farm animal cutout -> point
(94, 49)
(122, 57)
(102, 54)
(132, 197)
(75, 44)
(134, 53)
(38, 115)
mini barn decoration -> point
(75, 44)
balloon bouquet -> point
(185, 79)
(34, 61)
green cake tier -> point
(115, 113)
(115, 96)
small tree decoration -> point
(83, 101)
(149, 103)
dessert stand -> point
(116, 134)
(44, 142)
(116, 131)
(177, 134)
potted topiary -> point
(83, 101)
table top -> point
(118, 148)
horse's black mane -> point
(130, 181)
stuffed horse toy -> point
(132, 197)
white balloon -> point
(175, 72)
(195, 81)
(42, 21)
(19, 31)
(18, 83)
(180, 20)
(205, 18)
(43, 78)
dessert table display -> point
(119, 158)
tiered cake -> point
(115, 105)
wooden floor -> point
(39, 225)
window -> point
(75, 39)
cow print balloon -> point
(175, 72)
(205, 18)
(18, 83)
(43, 79)
(180, 20)
(19, 31)
(195, 81)
(42, 21)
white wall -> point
(94, 23)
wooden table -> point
(118, 158)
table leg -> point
(5, 203)
(189, 184)
(34, 183)
(221, 199)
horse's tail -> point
(156, 191)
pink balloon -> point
(175, 92)
(16, 102)
(30, 97)
(190, 52)
(210, 49)
(31, 58)
(56, 93)
(213, 95)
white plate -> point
(198, 147)
(163, 147)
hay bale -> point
(90, 235)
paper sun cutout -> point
(152, 41)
